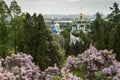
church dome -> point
(81, 15)
(52, 18)
(57, 24)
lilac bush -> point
(67, 75)
(19, 67)
(55, 73)
(96, 64)
(65, 71)
(92, 64)
(51, 72)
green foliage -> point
(99, 75)
(55, 51)
(59, 39)
(16, 32)
(79, 46)
(66, 34)
(83, 44)
(97, 34)
(4, 39)
(14, 8)
(116, 41)
(114, 23)
(66, 26)
(57, 78)
(35, 39)
(16, 24)
(10, 27)
(107, 29)
(38, 41)
(114, 16)
(82, 73)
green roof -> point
(74, 25)
(78, 21)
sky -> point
(65, 6)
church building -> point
(80, 24)
(54, 26)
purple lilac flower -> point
(107, 71)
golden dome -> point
(52, 17)
(81, 15)
(57, 24)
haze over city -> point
(65, 6)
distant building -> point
(80, 24)
(54, 26)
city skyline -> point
(65, 6)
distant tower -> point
(52, 22)
(78, 25)
(81, 16)
(54, 27)
(57, 26)
(74, 21)
(74, 25)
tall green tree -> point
(114, 19)
(83, 43)
(40, 42)
(15, 23)
(66, 34)
(116, 41)
(35, 38)
(55, 50)
(114, 16)
(97, 34)
(4, 19)
(108, 34)
(16, 32)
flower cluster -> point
(92, 64)
(65, 71)
(19, 66)
(69, 63)
(52, 70)
(94, 61)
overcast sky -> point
(65, 6)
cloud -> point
(65, 6)
(74, 0)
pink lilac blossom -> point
(107, 71)
(52, 70)
(19, 66)
(94, 60)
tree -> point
(114, 17)
(108, 38)
(55, 50)
(83, 43)
(78, 48)
(15, 23)
(4, 17)
(16, 32)
(66, 34)
(116, 41)
(40, 42)
(35, 38)
(15, 9)
(114, 20)
(97, 34)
